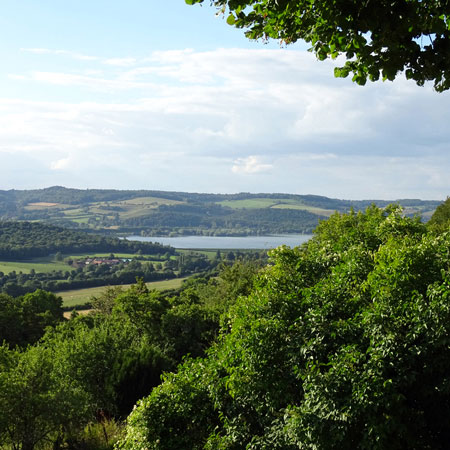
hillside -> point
(180, 213)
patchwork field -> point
(164, 213)
(82, 296)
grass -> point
(275, 204)
(81, 312)
(153, 201)
(311, 209)
(39, 265)
(250, 203)
(102, 255)
(209, 253)
(82, 296)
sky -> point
(151, 94)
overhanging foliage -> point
(379, 38)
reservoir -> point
(227, 242)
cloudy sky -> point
(151, 94)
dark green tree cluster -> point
(440, 220)
(23, 319)
(379, 39)
(343, 343)
(22, 240)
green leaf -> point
(231, 20)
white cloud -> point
(87, 81)
(121, 62)
(227, 113)
(249, 165)
(70, 54)
(61, 164)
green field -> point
(311, 209)
(38, 264)
(253, 203)
(209, 253)
(275, 203)
(149, 201)
(101, 255)
(81, 296)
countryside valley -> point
(158, 331)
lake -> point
(227, 242)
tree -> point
(23, 320)
(343, 343)
(378, 39)
(441, 217)
(104, 302)
(36, 403)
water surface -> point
(227, 242)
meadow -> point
(46, 264)
(82, 296)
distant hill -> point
(181, 213)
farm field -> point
(252, 203)
(311, 209)
(106, 255)
(38, 265)
(125, 209)
(275, 203)
(81, 296)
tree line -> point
(24, 240)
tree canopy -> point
(378, 38)
(441, 217)
(342, 343)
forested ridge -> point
(154, 213)
(341, 343)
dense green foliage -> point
(22, 240)
(23, 320)
(87, 370)
(342, 343)
(378, 39)
(441, 217)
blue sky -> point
(147, 94)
